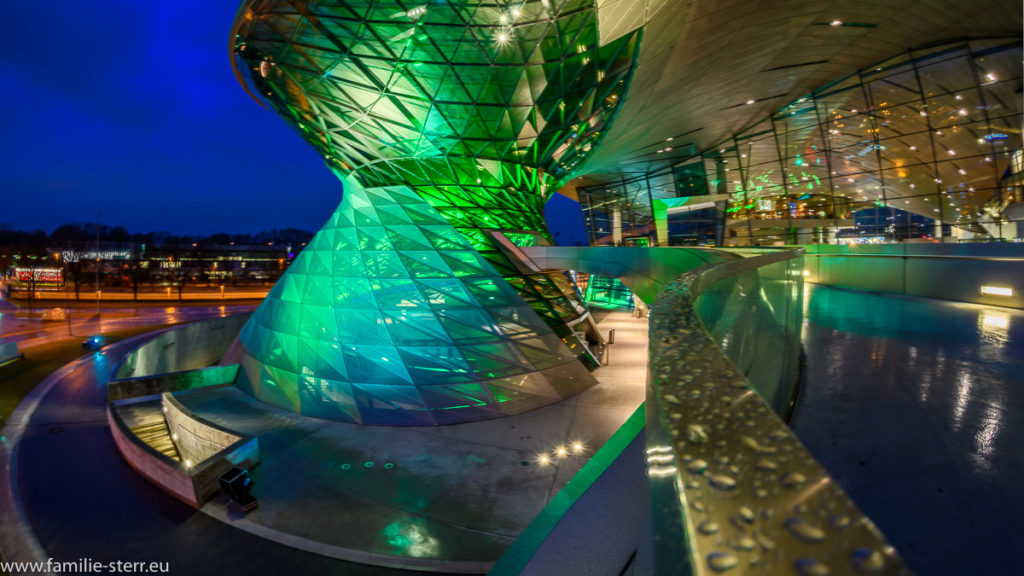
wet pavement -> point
(84, 501)
(916, 407)
(317, 492)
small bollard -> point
(611, 336)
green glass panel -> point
(443, 134)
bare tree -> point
(74, 261)
(179, 271)
(139, 272)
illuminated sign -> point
(42, 275)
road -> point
(17, 326)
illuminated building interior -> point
(933, 132)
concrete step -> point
(157, 436)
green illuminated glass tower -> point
(449, 123)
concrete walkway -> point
(916, 408)
(428, 499)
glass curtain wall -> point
(927, 143)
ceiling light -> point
(836, 23)
(751, 101)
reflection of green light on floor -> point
(410, 537)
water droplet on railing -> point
(747, 515)
(697, 466)
(867, 560)
(839, 521)
(708, 527)
(722, 561)
(696, 434)
(721, 482)
(746, 544)
(804, 531)
(810, 567)
(793, 480)
(766, 464)
(757, 447)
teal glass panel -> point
(352, 334)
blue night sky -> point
(132, 108)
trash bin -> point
(237, 484)
(611, 336)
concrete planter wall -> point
(194, 479)
(189, 347)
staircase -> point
(157, 436)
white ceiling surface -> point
(700, 57)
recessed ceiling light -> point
(751, 101)
(836, 23)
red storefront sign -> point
(43, 275)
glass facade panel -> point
(931, 132)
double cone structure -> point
(448, 122)
(389, 316)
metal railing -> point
(732, 489)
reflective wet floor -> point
(916, 407)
